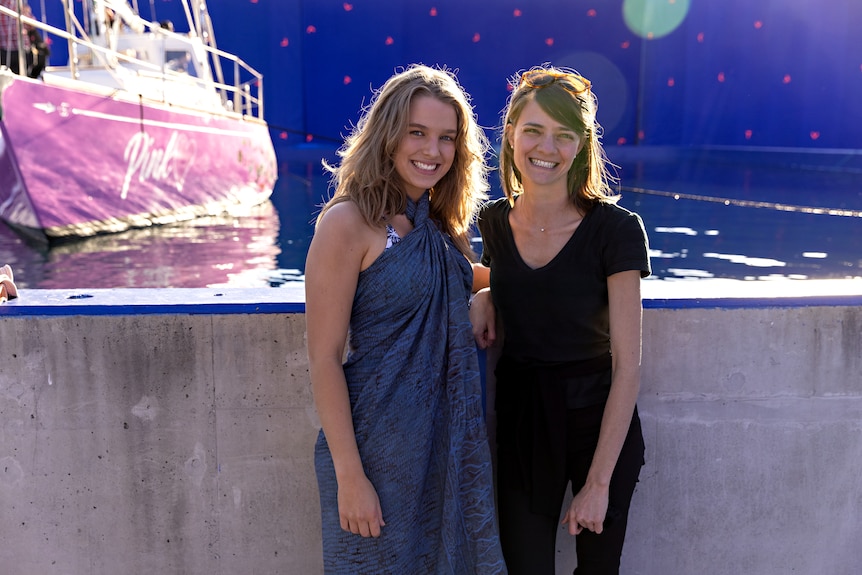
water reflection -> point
(707, 223)
(231, 250)
(773, 218)
(743, 243)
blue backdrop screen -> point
(770, 73)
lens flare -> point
(653, 19)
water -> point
(712, 220)
(748, 221)
(258, 247)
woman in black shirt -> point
(565, 268)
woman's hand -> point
(483, 316)
(588, 509)
(359, 507)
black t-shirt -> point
(559, 313)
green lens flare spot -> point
(653, 19)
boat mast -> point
(205, 27)
(193, 30)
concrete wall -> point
(147, 431)
(753, 426)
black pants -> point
(9, 58)
(529, 539)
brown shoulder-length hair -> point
(567, 98)
(367, 175)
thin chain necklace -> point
(542, 229)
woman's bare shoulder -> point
(344, 229)
(345, 218)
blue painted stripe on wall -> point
(287, 299)
(759, 303)
(291, 299)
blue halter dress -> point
(415, 394)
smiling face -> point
(426, 152)
(544, 149)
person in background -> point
(402, 460)
(39, 50)
(9, 48)
(565, 269)
(8, 290)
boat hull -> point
(76, 162)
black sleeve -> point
(627, 246)
(488, 215)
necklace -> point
(577, 220)
(556, 224)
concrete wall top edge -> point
(291, 299)
(733, 293)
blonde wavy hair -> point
(566, 97)
(367, 176)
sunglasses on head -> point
(572, 83)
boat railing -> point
(243, 94)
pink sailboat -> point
(142, 126)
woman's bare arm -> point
(589, 507)
(343, 245)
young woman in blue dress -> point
(402, 460)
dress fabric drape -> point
(415, 394)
